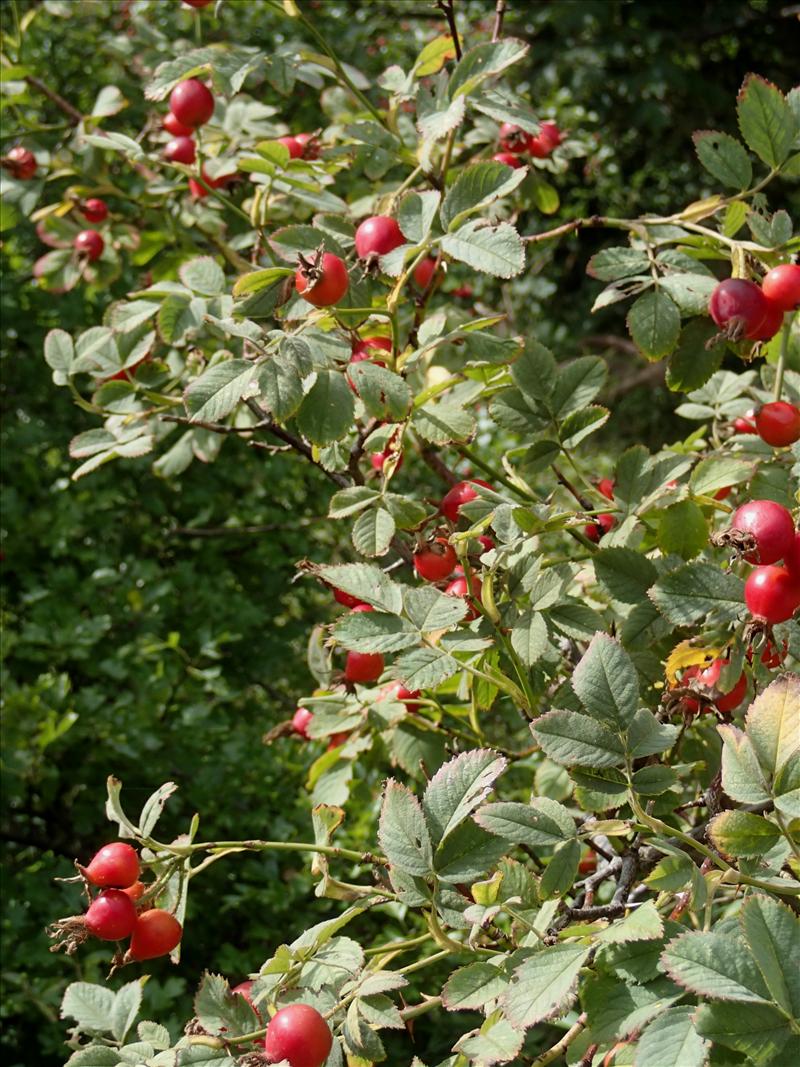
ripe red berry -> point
(509, 159)
(792, 558)
(300, 721)
(435, 561)
(363, 666)
(244, 989)
(458, 587)
(769, 325)
(295, 148)
(772, 594)
(115, 866)
(543, 144)
(198, 3)
(95, 210)
(771, 526)
(378, 235)
(111, 915)
(324, 286)
(487, 544)
(156, 933)
(361, 608)
(424, 272)
(461, 493)
(778, 423)
(781, 286)
(177, 129)
(336, 741)
(299, 1034)
(134, 892)
(180, 150)
(90, 244)
(513, 139)
(21, 163)
(192, 103)
(599, 527)
(407, 697)
(309, 145)
(345, 598)
(606, 487)
(708, 679)
(588, 863)
(380, 459)
(771, 656)
(739, 304)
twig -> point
(586, 504)
(499, 12)
(71, 112)
(299, 446)
(447, 8)
(574, 1031)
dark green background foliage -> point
(132, 646)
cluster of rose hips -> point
(776, 423)
(435, 561)
(744, 310)
(762, 533)
(119, 910)
(516, 143)
(297, 1034)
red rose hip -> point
(21, 163)
(177, 129)
(378, 235)
(155, 934)
(90, 244)
(772, 594)
(299, 1034)
(363, 666)
(192, 103)
(111, 915)
(95, 210)
(781, 286)
(324, 285)
(771, 527)
(180, 150)
(435, 562)
(778, 423)
(115, 866)
(709, 677)
(301, 721)
(738, 304)
(461, 493)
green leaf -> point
(578, 383)
(606, 682)
(485, 61)
(560, 872)
(374, 631)
(711, 475)
(765, 120)
(580, 424)
(429, 610)
(724, 158)
(326, 413)
(497, 1041)
(773, 724)
(218, 390)
(617, 1010)
(611, 264)
(698, 589)
(671, 1041)
(740, 833)
(742, 777)
(385, 395)
(641, 924)
(176, 317)
(570, 738)
(89, 1005)
(402, 831)
(441, 423)
(682, 530)
(365, 581)
(475, 188)
(772, 932)
(493, 248)
(693, 362)
(654, 323)
(220, 1011)
(59, 353)
(470, 988)
(467, 854)
(654, 779)
(544, 986)
(153, 807)
(94, 1056)
(647, 736)
(542, 823)
(529, 637)
(351, 500)
(416, 214)
(625, 573)
(458, 787)
(760, 1032)
(373, 531)
(691, 292)
(203, 275)
(715, 965)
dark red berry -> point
(781, 286)
(461, 493)
(363, 666)
(769, 325)
(94, 210)
(513, 139)
(90, 244)
(792, 558)
(156, 933)
(336, 741)
(180, 150)
(606, 487)
(424, 272)
(380, 459)
(772, 594)
(309, 145)
(378, 235)
(738, 304)
(135, 892)
(325, 286)
(546, 141)
(295, 148)
(111, 915)
(588, 863)
(599, 527)
(345, 598)
(192, 103)
(434, 562)
(778, 423)
(746, 423)
(298, 1034)
(459, 587)
(20, 163)
(509, 159)
(115, 866)
(198, 3)
(708, 679)
(301, 720)
(771, 527)
(177, 129)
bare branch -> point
(447, 8)
(499, 13)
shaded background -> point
(132, 646)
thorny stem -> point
(562, 1045)
(278, 846)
